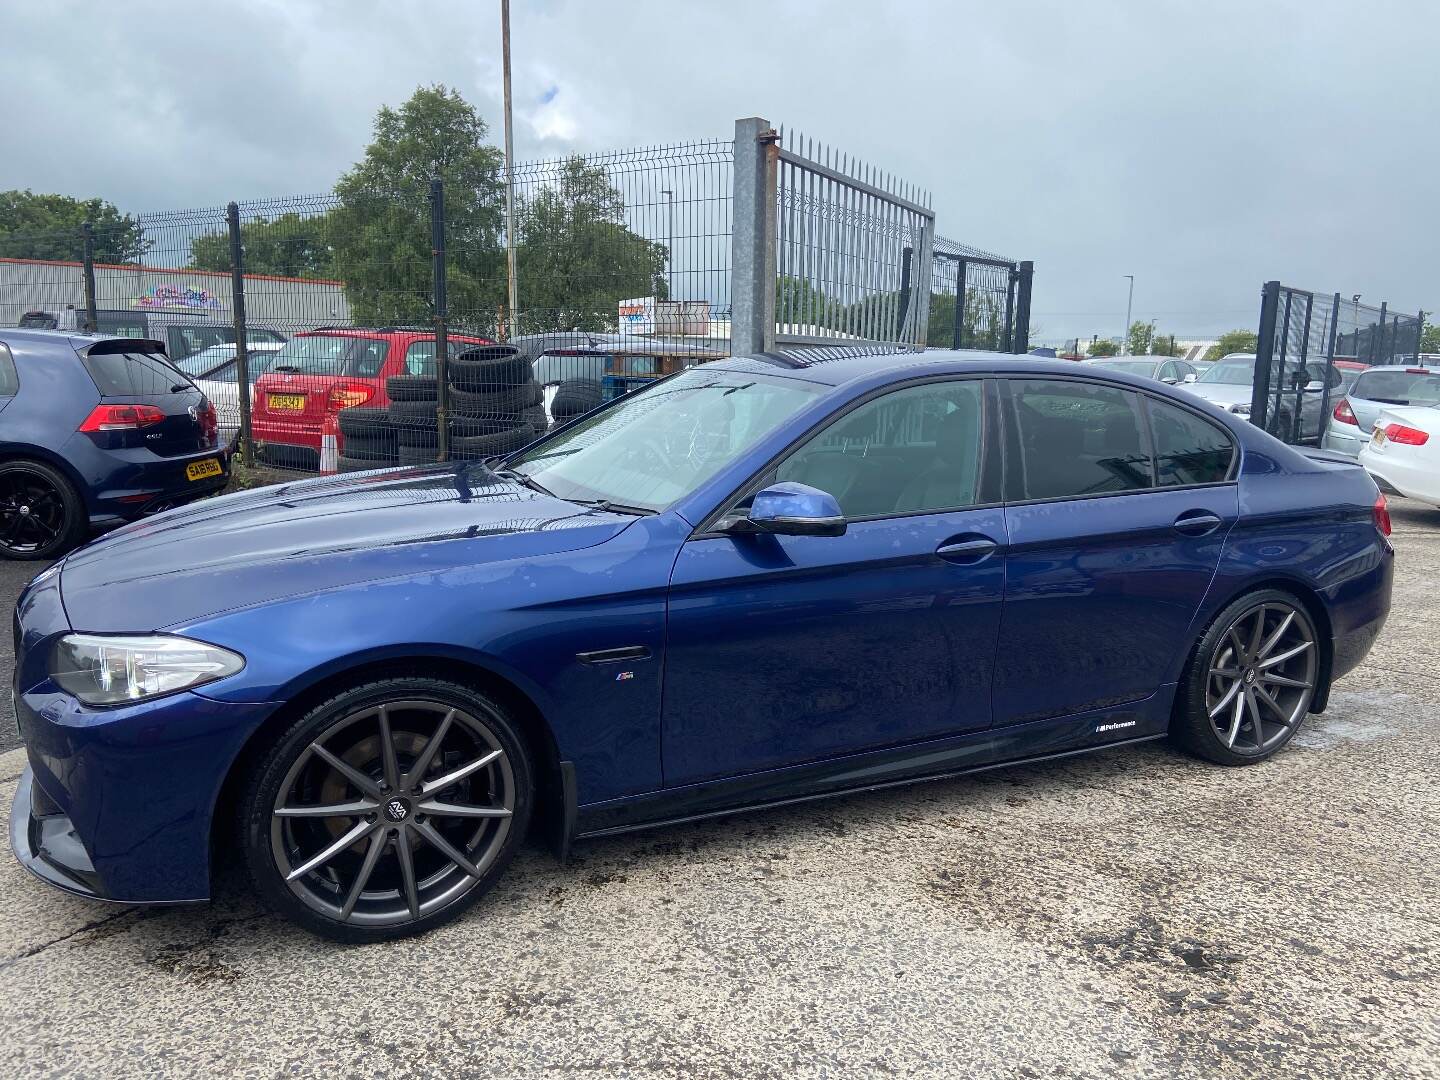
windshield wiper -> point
(524, 478)
(615, 508)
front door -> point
(1112, 547)
(785, 650)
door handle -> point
(967, 552)
(1197, 523)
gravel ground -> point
(1130, 913)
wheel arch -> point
(1314, 605)
(34, 452)
(533, 726)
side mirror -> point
(1314, 386)
(1192, 377)
(791, 509)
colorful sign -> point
(173, 296)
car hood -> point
(291, 539)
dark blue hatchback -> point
(756, 581)
(95, 431)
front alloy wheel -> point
(388, 810)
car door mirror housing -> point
(791, 509)
(1190, 378)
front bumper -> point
(44, 841)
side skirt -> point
(981, 751)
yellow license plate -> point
(199, 470)
(295, 402)
(1378, 437)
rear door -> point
(1111, 549)
(126, 376)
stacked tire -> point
(575, 397)
(367, 440)
(496, 406)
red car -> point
(320, 372)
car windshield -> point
(1236, 370)
(1129, 367)
(1399, 387)
(663, 442)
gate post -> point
(87, 237)
(907, 255)
(962, 269)
(752, 243)
(1022, 307)
(242, 343)
(440, 315)
(1329, 362)
(1264, 353)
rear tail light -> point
(1343, 414)
(1382, 515)
(209, 422)
(122, 418)
(348, 395)
(1406, 436)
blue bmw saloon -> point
(756, 581)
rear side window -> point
(1188, 450)
(1075, 438)
(9, 380)
(130, 374)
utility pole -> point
(514, 291)
(1129, 305)
(670, 245)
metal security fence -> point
(363, 327)
(1307, 345)
(979, 300)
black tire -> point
(403, 413)
(417, 455)
(348, 726)
(411, 387)
(466, 427)
(576, 397)
(346, 463)
(503, 442)
(418, 436)
(499, 372)
(367, 450)
(41, 513)
(498, 404)
(363, 422)
(1237, 702)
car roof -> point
(836, 367)
(75, 339)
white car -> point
(212, 370)
(1403, 454)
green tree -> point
(1103, 347)
(1140, 337)
(48, 227)
(1430, 338)
(576, 258)
(287, 246)
(1233, 341)
(380, 232)
(798, 302)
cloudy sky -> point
(1201, 146)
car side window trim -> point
(9, 374)
(988, 467)
(1230, 471)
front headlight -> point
(1240, 410)
(103, 669)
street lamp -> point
(670, 245)
(1129, 305)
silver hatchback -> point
(1353, 419)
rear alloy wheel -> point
(388, 810)
(1252, 681)
(41, 515)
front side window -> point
(661, 443)
(1188, 450)
(1075, 438)
(911, 451)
